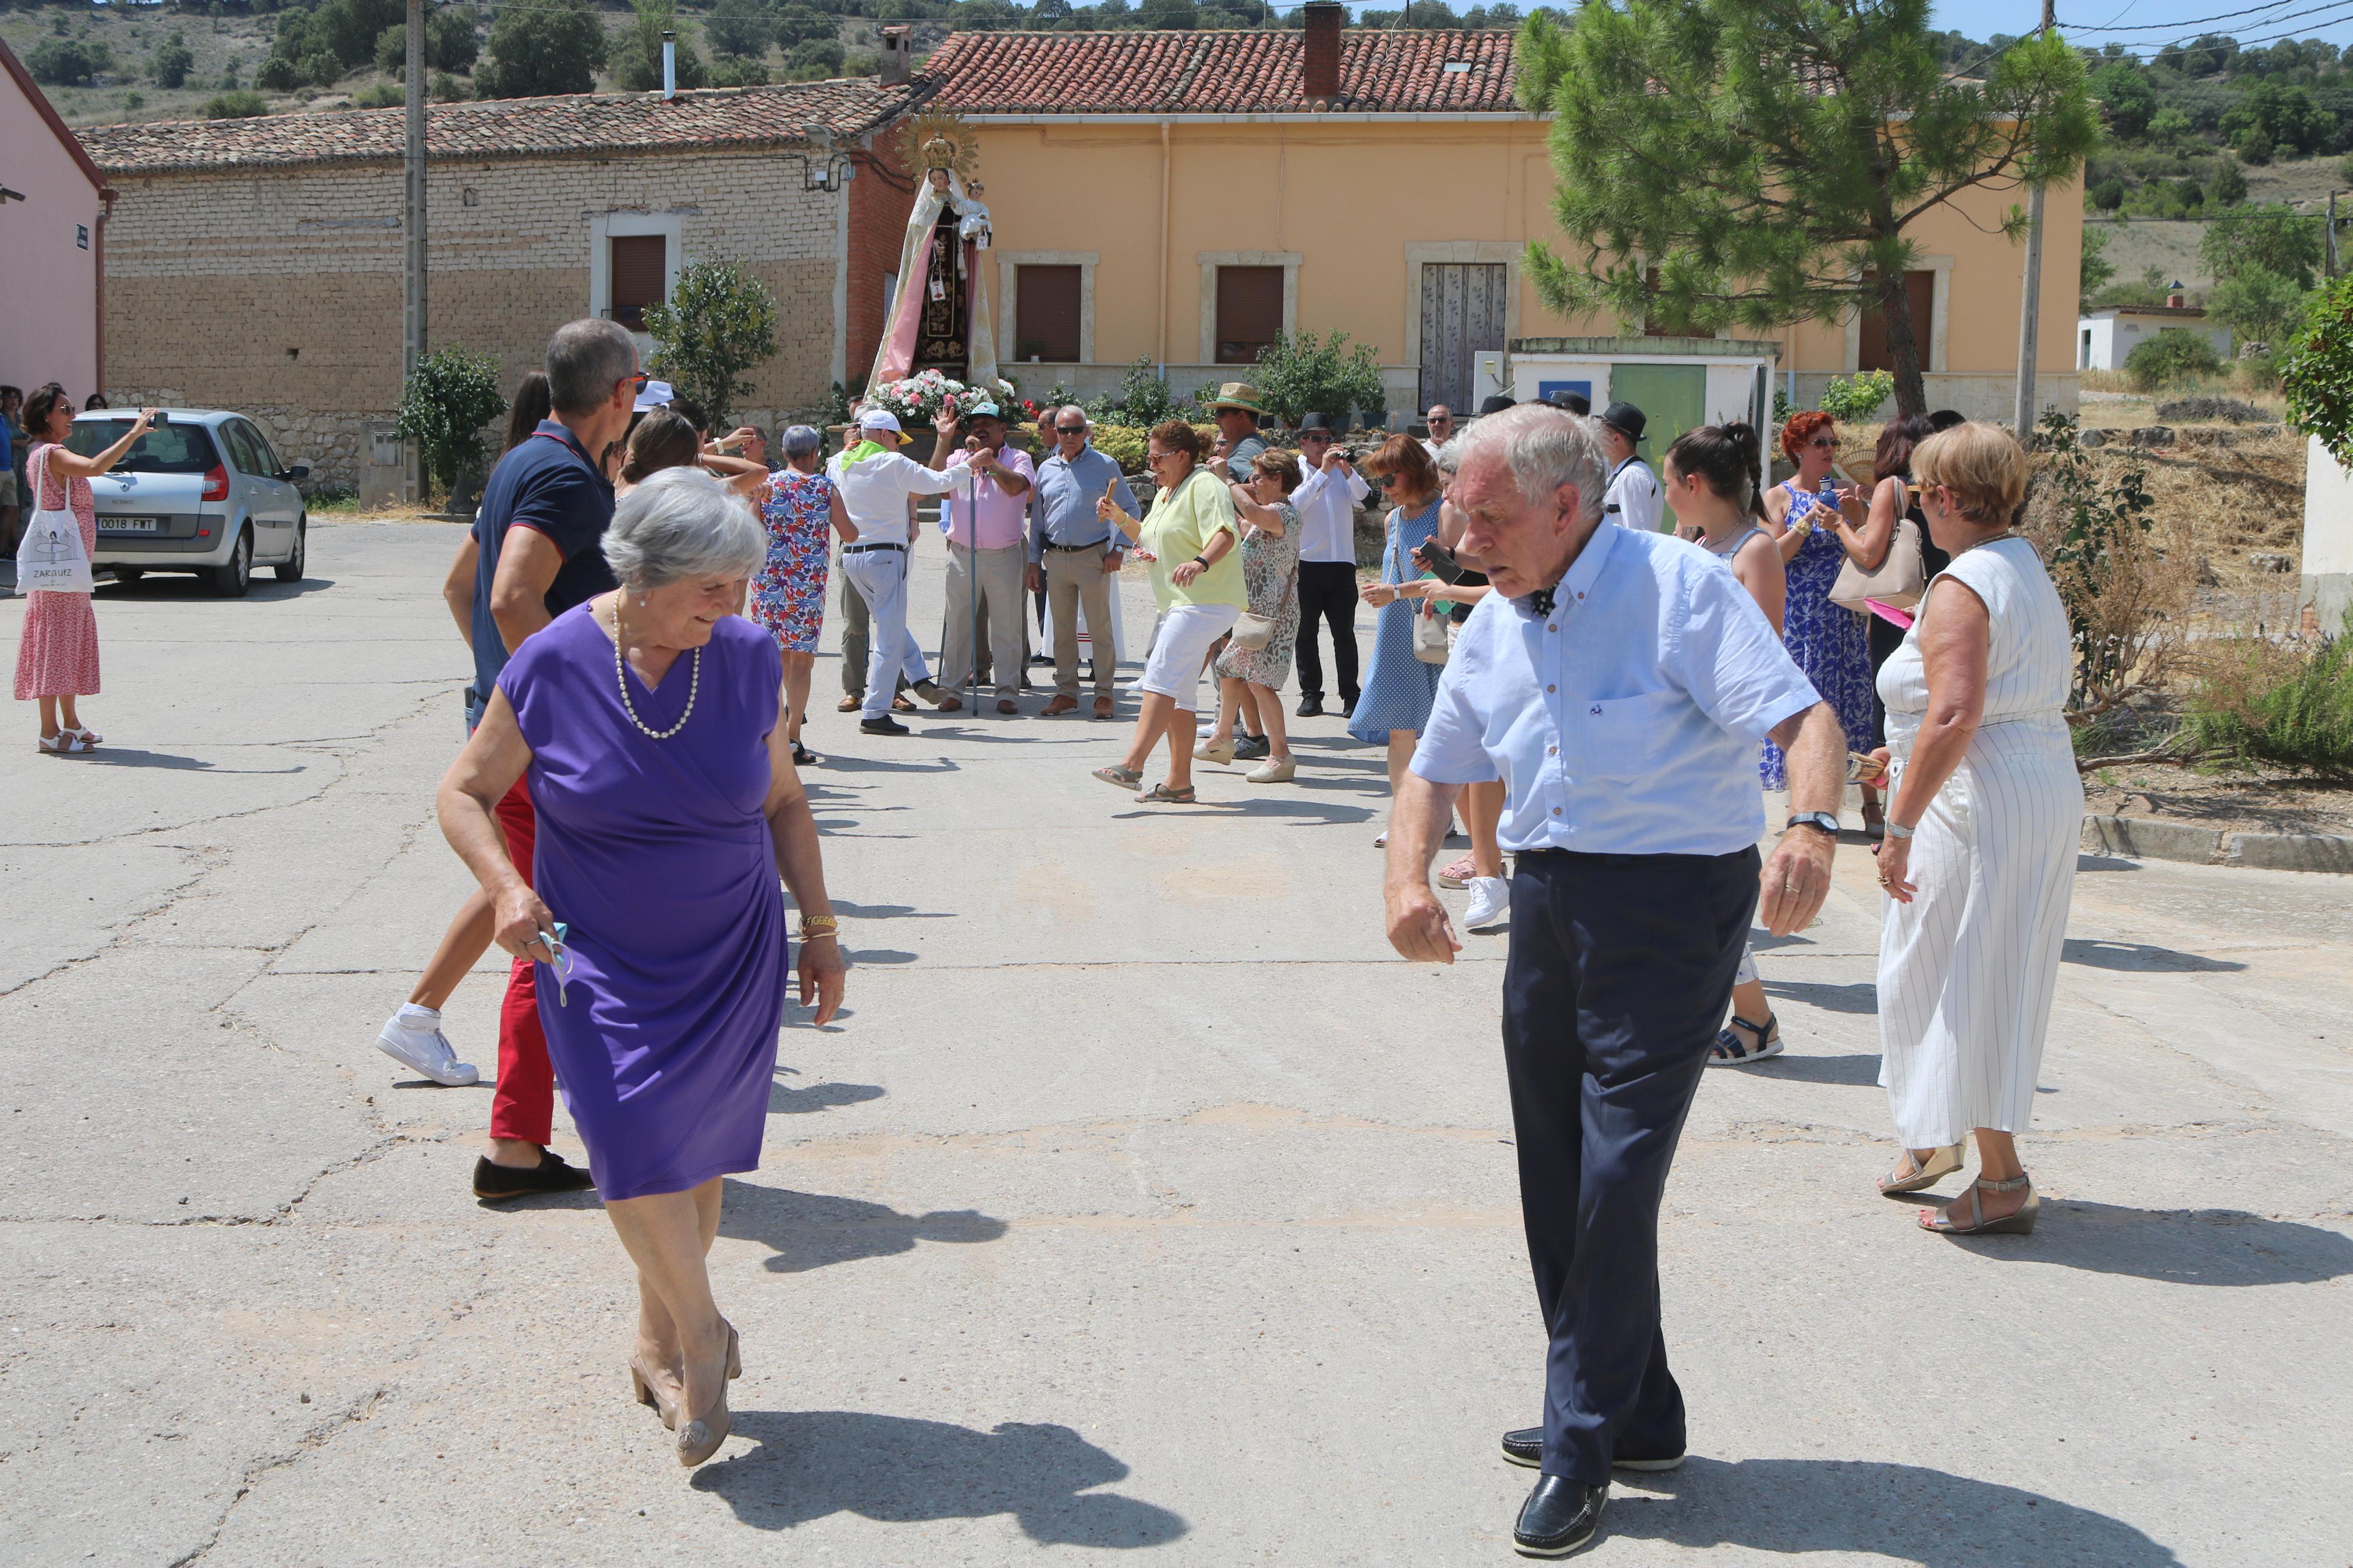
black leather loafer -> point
(1526, 1446)
(553, 1174)
(1560, 1517)
(885, 725)
(1309, 707)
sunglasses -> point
(635, 383)
(1321, 438)
(1823, 444)
(1069, 430)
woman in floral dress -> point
(56, 652)
(1251, 679)
(1831, 643)
(788, 594)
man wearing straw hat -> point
(1237, 412)
(876, 480)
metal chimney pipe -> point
(670, 66)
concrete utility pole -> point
(2332, 234)
(2030, 303)
(412, 340)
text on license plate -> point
(130, 525)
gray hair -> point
(679, 523)
(1447, 460)
(802, 439)
(1072, 409)
(585, 359)
(1544, 448)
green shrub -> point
(380, 95)
(1142, 401)
(171, 62)
(1852, 399)
(2108, 194)
(445, 406)
(243, 104)
(67, 62)
(737, 71)
(2170, 359)
(718, 323)
(1299, 375)
(2257, 702)
(1123, 444)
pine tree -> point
(1757, 163)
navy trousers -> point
(1619, 972)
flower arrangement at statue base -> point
(921, 399)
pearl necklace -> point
(621, 676)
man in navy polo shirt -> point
(541, 534)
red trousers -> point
(524, 1108)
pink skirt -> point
(57, 655)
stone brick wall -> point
(279, 292)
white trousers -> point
(1182, 648)
(881, 578)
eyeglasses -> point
(1069, 430)
(635, 383)
(1321, 438)
(1153, 459)
(1823, 444)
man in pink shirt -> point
(997, 509)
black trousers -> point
(1328, 594)
(1619, 972)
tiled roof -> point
(504, 128)
(1238, 72)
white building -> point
(2104, 339)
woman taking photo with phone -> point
(1808, 515)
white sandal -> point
(90, 738)
(65, 743)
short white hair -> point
(1544, 448)
(679, 523)
(1072, 409)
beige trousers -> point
(1001, 592)
(1075, 578)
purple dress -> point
(656, 855)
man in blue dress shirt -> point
(1619, 682)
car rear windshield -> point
(166, 449)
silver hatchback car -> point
(201, 491)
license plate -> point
(130, 525)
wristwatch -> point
(1821, 820)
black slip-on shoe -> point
(1309, 707)
(497, 1184)
(1526, 1446)
(1560, 1517)
(885, 725)
(1252, 749)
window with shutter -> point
(1045, 313)
(641, 268)
(1249, 312)
(1920, 294)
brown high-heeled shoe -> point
(700, 1438)
(649, 1394)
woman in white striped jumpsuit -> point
(1985, 774)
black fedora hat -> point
(1317, 422)
(1571, 401)
(1624, 418)
(1496, 405)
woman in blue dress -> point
(1395, 703)
(1831, 644)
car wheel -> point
(290, 569)
(231, 581)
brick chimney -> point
(897, 44)
(2174, 297)
(1321, 68)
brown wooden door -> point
(1249, 312)
(1045, 313)
(1461, 314)
(641, 274)
(1920, 294)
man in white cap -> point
(876, 481)
(985, 533)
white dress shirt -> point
(1634, 497)
(1626, 720)
(874, 491)
(1326, 502)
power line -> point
(2189, 23)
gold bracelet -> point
(820, 925)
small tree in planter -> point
(450, 400)
(1300, 374)
(718, 323)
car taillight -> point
(216, 483)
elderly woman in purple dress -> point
(649, 722)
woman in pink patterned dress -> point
(56, 654)
(788, 594)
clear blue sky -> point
(2084, 19)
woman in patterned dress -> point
(1831, 644)
(56, 652)
(1251, 679)
(788, 594)
(1396, 701)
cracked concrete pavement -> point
(1140, 1202)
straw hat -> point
(1239, 395)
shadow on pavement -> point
(1862, 1509)
(835, 763)
(128, 757)
(888, 911)
(898, 1470)
(2174, 1247)
(784, 1100)
(2135, 957)
(2104, 863)
(857, 956)
(810, 1230)
(1853, 1068)
(1862, 996)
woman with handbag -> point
(1410, 646)
(1257, 656)
(56, 652)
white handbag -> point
(50, 557)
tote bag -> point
(50, 557)
(1899, 580)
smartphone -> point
(163, 417)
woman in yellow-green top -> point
(1195, 548)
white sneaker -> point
(1491, 904)
(413, 1037)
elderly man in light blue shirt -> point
(1075, 555)
(1620, 682)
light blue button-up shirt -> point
(1627, 721)
(1062, 504)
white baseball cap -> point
(879, 419)
(657, 395)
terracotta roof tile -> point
(1235, 72)
(504, 128)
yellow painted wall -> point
(1349, 197)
